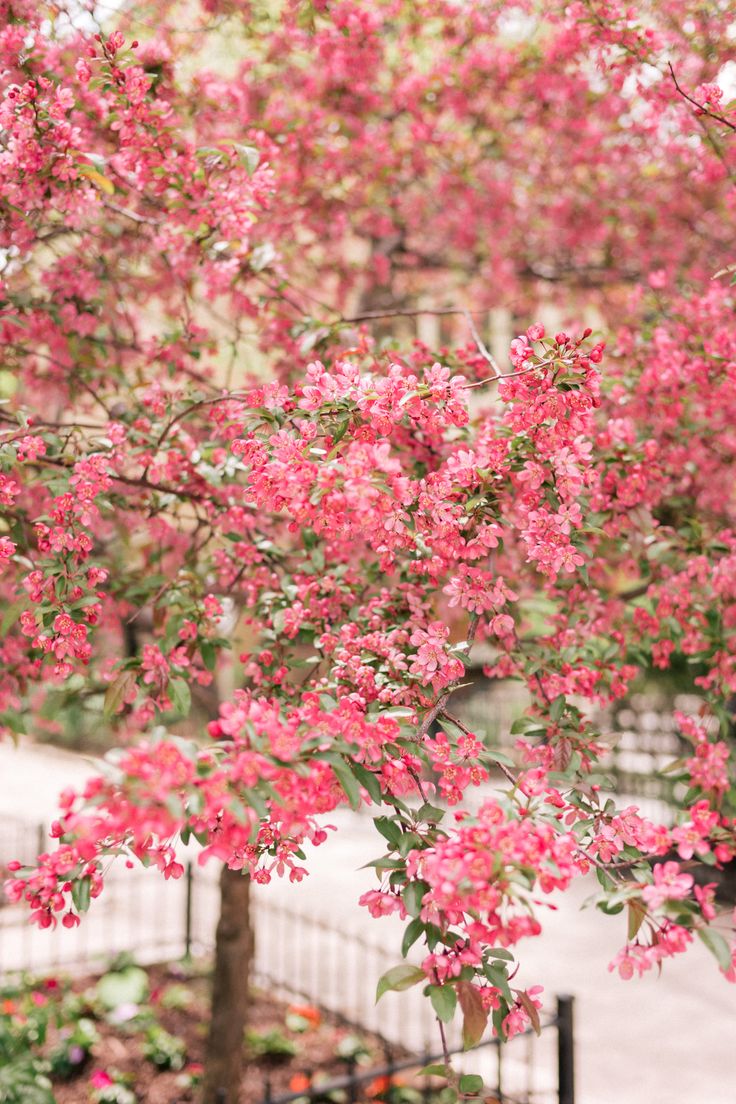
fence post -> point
(189, 876)
(352, 1083)
(565, 1050)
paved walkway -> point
(651, 1041)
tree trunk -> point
(230, 991)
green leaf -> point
(399, 978)
(497, 975)
(257, 802)
(116, 691)
(347, 780)
(368, 780)
(180, 696)
(81, 894)
(408, 842)
(413, 896)
(471, 1084)
(389, 829)
(452, 730)
(499, 757)
(12, 613)
(435, 1070)
(340, 431)
(717, 946)
(557, 708)
(384, 863)
(444, 1001)
(498, 1016)
(637, 916)
(412, 933)
(9, 718)
(431, 813)
(605, 879)
(208, 651)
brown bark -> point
(230, 991)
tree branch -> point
(700, 107)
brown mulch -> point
(122, 1051)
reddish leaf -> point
(475, 1016)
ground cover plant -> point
(213, 447)
(136, 1035)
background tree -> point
(181, 475)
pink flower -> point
(101, 1080)
(7, 549)
(669, 885)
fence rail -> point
(351, 1084)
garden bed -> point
(138, 1037)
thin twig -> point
(409, 312)
(230, 396)
(130, 481)
(444, 697)
(607, 868)
(445, 1050)
(510, 375)
(482, 349)
(701, 107)
(132, 215)
(418, 782)
(501, 766)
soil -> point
(316, 1055)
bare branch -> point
(485, 353)
(409, 312)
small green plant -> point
(351, 1048)
(111, 1087)
(177, 997)
(24, 1023)
(25, 1081)
(73, 1050)
(270, 1044)
(191, 1077)
(125, 987)
(397, 1093)
(165, 1051)
(325, 1096)
(27, 1008)
(302, 1017)
(78, 1006)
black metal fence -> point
(382, 1080)
(137, 914)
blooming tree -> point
(208, 446)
